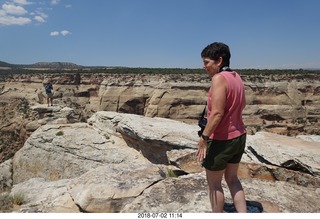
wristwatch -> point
(204, 137)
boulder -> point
(110, 187)
(56, 152)
(153, 137)
(289, 152)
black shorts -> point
(220, 153)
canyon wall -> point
(282, 104)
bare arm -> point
(218, 103)
(219, 95)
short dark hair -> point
(216, 50)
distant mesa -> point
(55, 65)
(5, 64)
(41, 65)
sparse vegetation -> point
(24, 107)
(107, 136)
(63, 68)
(59, 133)
(84, 120)
(17, 199)
(7, 201)
(300, 120)
(171, 173)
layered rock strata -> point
(129, 163)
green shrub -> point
(59, 133)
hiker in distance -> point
(223, 139)
(49, 92)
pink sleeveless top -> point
(231, 124)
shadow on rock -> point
(252, 207)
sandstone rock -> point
(108, 188)
(186, 194)
(151, 136)
(276, 170)
(56, 152)
(276, 150)
(33, 125)
(122, 162)
(6, 175)
(168, 100)
(54, 114)
(185, 160)
(189, 194)
(275, 173)
(312, 138)
(294, 99)
(183, 194)
(284, 197)
(39, 195)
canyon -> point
(281, 104)
(279, 109)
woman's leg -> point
(216, 194)
(235, 187)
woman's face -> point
(211, 66)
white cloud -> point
(57, 33)
(14, 12)
(65, 32)
(2, 13)
(13, 15)
(22, 2)
(39, 19)
(13, 9)
(54, 33)
(11, 20)
(42, 14)
(55, 2)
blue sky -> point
(264, 34)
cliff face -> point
(85, 159)
(282, 104)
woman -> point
(222, 142)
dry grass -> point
(7, 201)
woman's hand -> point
(202, 150)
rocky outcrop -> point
(280, 104)
(73, 146)
(284, 107)
(93, 167)
(6, 175)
